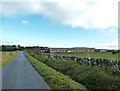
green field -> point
(103, 55)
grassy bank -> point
(6, 57)
(94, 78)
(55, 79)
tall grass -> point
(7, 57)
(55, 79)
(94, 78)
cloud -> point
(111, 44)
(24, 21)
(88, 14)
(6, 41)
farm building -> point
(41, 50)
(100, 50)
(75, 49)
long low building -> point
(74, 49)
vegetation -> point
(6, 57)
(21, 48)
(56, 80)
(103, 55)
(11, 48)
(94, 78)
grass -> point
(6, 57)
(94, 78)
(55, 79)
(103, 55)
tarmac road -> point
(19, 74)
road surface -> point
(19, 74)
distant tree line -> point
(11, 47)
(20, 48)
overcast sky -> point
(60, 23)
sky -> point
(60, 23)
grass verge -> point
(6, 57)
(94, 78)
(55, 79)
